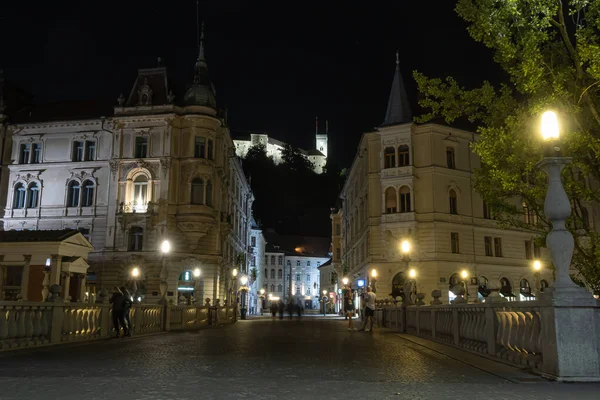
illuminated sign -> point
(360, 283)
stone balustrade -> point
(509, 331)
(32, 324)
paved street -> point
(311, 358)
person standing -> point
(369, 309)
(118, 310)
(349, 309)
(128, 303)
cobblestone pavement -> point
(260, 358)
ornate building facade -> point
(160, 168)
(416, 183)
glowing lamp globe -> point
(197, 272)
(537, 265)
(345, 281)
(165, 246)
(464, 274)
(550, 129)
(405, 246)
(412, 273)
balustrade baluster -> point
(37, 323)
(12, 323)
(20, 317)
(29, 314)
(3, 324)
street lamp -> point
(262, 300)
(345, 281)
(165, 248)
(135, 274)
(464, 274)
(243, 290)
(373, 280)
(196, 273)
(324, 303)
(405, 247)
(537, 268)
(557, 207)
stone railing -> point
(32, 324)
(509, 331)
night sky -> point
(275, 64)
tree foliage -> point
(550, 51)
(290, 197)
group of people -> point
(291, 307)
(122, 302)
(368, 299)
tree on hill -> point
(550, 51)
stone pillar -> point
(82, 284)
(55, 269)
(25, 278)
(67, 287)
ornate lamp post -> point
(374, 280)
(537, 267)
(135, 275)
(197, 274)
(243, 290)
(262, 300)
(324, 303)
(165, 248)
(233, 289)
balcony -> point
(397, 172)
(398, 217)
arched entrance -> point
(398, 285)
(455, 287)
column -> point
(82, 284)
(25, 278)
(67, 287)
(55, 269)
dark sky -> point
(275, 64)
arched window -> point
(272, 288)
(543, 285)
(272, 273)
(450, 158)
(33, 192)
(19, 196)
(73, 194)
(403, 156)
(506, 289)
(390, 200)
(280, 273)
(455, 287)
(140, 190)
(279, 288)
(186, 276)
(389, 157)
(453, 202)
(87, 199)
(279, 260)
(482, 287)
(209, 192)
(136, 238)
(525, 290)
(197, 196)
(404, 199)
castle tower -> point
(321, 139)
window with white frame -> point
(73, 194)
(33, 193)
(36, 153)
(19, 196)
(24, 153)
(136, 238)
(78, 151)
(140, 192)
(141, 147)
(87, 196)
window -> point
(498, 247)
(454, 242)
(19, 196)
(140, 190)
(36, 156)
(33, 195)
(289, 263)
(308, 278)
(73, 193)
(88, 194)
(266, 273)
(338, 230)
(298, 277)
(24, 153)
(210, 149)
(279, 288)
(287, 277)
(136, 238)
(279, 260)
(197, 193)
(404, 199)
(272, 260)
(11, 282)
(90, 150)
(253, 261)
(338, 253)
(390, 200)
(280, 273)
(77, 151)
(453, 202)
(403, 157)
(200, 147)
(141, 147)
(486, 211)
(318, 263)
(389, 157)
(450, 158)
(272, 288)
(253, 241)
(307, 291)
(272, 273)
(209, 193)
(537, 251)
(488, 246)
(528, 252)
(308, 263)
(297, 263)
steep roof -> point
(398, 109)
(151, 82)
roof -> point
(151, 82)
(26, 236)
(398, 109)
(303, 246)
(328, 263)
(315, 152)
(63, 111)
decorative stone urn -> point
(207, 302)
(436, 294)
(420, 297)
(55, 294)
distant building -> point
(292, 267)
(318, 155)
(256, 254)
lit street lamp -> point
(135, 275)
(196, 272)
(165, 248)
(537, 268)
(262, 300)
(345, 281)
(324, 303)
(243, 290)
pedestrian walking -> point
(349, 309)
(274, 309)
(290, 308)
(118, 306)
(128, 303)
(369, 310)
(281, 308)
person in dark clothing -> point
(290, 308)
(128, 303)
(274, 309)
(281, 308)
(118, 311)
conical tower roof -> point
(398, 109)
(202, 92)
